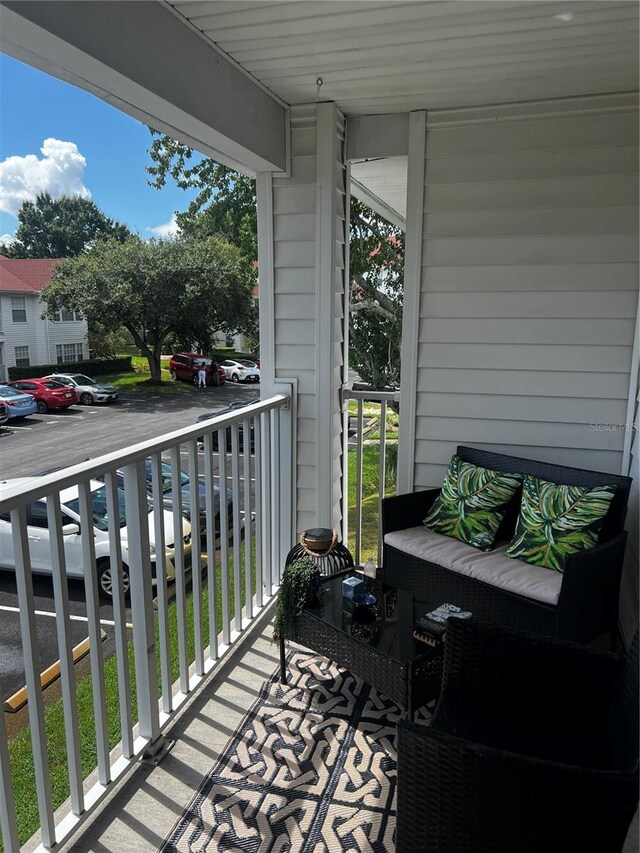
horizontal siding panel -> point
(289, 254)
(614, 276)
(307, 477)
(307, 502)
(295, 226)
(307, 430)
(607, 386)
(518, 433)
(296, 280)
(306, 405)
(499, 223)
(294, 306)
(303, 170)
(553, 192)
(543, 332)
(303, 141)
(602, 359)
(302, 332)
(292, 199)
(518, 407)
(608, 461)
(306, 453)
(527, 250)
(533, 134)
(614, 305)
(292, 357)
(529, 165)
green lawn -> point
(22, 769)
(370, 492)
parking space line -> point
(72, 616)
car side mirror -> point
(70, 529)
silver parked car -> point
(88, 390)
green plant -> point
(295, 588)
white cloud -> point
(169, 229)
(58, 172)
(7, 240)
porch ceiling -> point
(376, 57)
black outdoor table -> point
(375, 643)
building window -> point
(18, 309)
(68, 352)
(22, 356)
(66, 316)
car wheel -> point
(105, 579)
(41, 407)
(235, 377)
(86, 399)
(174, 375)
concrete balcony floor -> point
(140, 813)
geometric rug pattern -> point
(311, 769)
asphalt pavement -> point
(50, 441)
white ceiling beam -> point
(141, 58)
(374, 136)
(364, 194)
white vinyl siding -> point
(529, 284)
(308, 315)
(39, 334)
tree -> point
(156, 289)
(61, 228)
(226, 204)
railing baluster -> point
(212, 585)
(178, 556)
(266, 503)
(224, 538)
(248, 582)
(65, 652)
(237, 561)
(157, 487)
(32, 673)
(8, 824)
(95, 638)
(196, 561)
(359, 453)
(276, 568)
(257, 462)
(119, 617)
(382, 473)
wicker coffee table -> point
(375, 643)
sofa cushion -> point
(472, 503)
(494, 567)
(556, 521)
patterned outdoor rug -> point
(311, 769)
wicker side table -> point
(381, 650)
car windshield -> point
(248, 363)
(165, 472)
(6, 391)
(101, 518)
(81, 379)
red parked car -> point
(185, 366)
(49, 393)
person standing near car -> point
(202, 375)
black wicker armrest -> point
(499, 668)
(589, 597)
(408, 510)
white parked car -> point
(88, 390)
(39, 544)
(241, 371)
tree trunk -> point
(152, 356)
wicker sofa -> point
(580, 604)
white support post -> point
(411, 300)
(142, 604)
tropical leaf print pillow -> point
(472, 503)
(556, 521)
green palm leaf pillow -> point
(472, 503)
(556, 521)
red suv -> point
(49, 393)
(185, 366)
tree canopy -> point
(157, 290)
(61, 228)
(226, 204)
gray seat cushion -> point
(492, 567)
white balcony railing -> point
(368, 429)
(242, 568)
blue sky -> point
(35, 107)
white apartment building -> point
(26, 338)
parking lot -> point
(57, 440)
